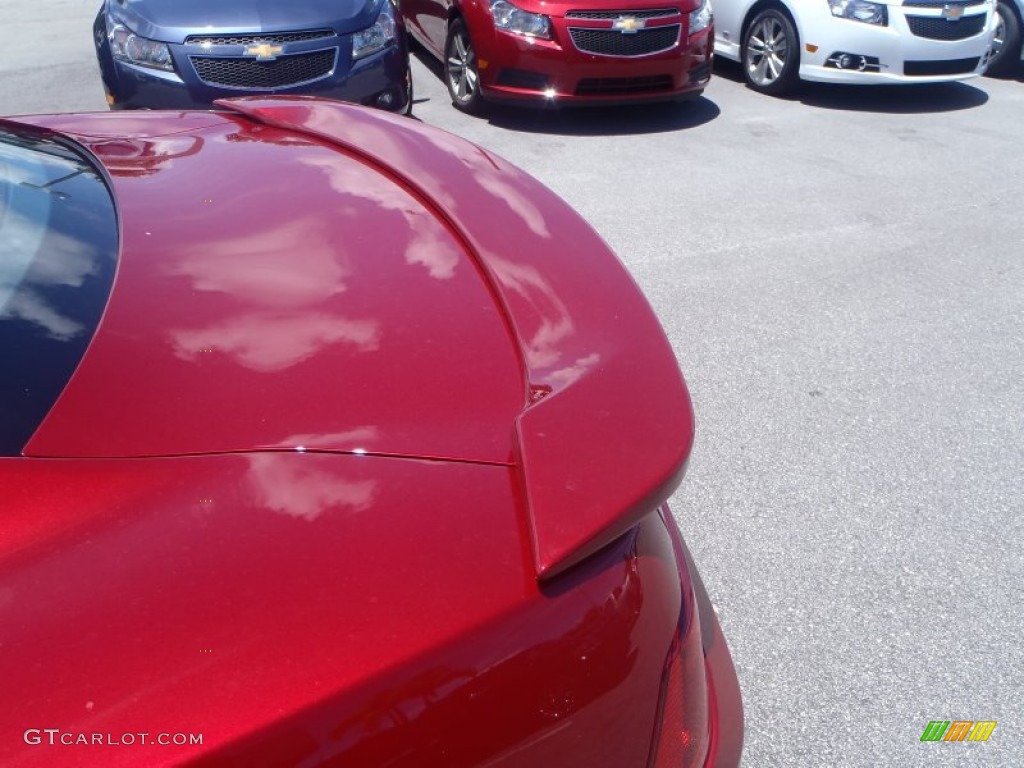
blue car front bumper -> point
(217, 67)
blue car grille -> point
(274, 38)
(941, 29)
(284, 71)
(609, 42)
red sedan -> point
(544, 51)
(328, 438)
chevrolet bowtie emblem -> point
(264, 51)
(952, 12)
(628, 25)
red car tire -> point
(460, 70)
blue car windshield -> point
(58, 251)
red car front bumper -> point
(518, 68)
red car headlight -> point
(701, 18)
(512, 18)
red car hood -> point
(294, 297)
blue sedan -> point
(183, 54)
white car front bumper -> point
(906, 50)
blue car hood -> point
(171, 21)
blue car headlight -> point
(512, 18)
(860, 10)
(129, 47)
(378, 35)
(701, 18)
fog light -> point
(385, 100)
(853, 62)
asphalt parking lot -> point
(842, 278)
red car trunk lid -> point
(337, 313)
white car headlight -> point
(378, 35)
(511, 18)
(701, 18)
(860, 10)
(125, 45)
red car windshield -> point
(58, 250)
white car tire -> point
(1006, 47)
(771, 53)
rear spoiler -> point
(607, 427)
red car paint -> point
(345, 479)
(688, 64)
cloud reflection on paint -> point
(270, 342)
(357, 438)
(519, 203)
(433, 249)
(501, 186)
(429, 244)
(415, 151)
(250, 267)
(302, 489)
(563, 377)
(542, 348)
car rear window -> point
(58, 251)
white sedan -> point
(780, 42)
(1007, 52)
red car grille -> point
(236, 72)
(611, 42)
(520, 78)
(616, 86)
(652, 13)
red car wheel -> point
(461, 74)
